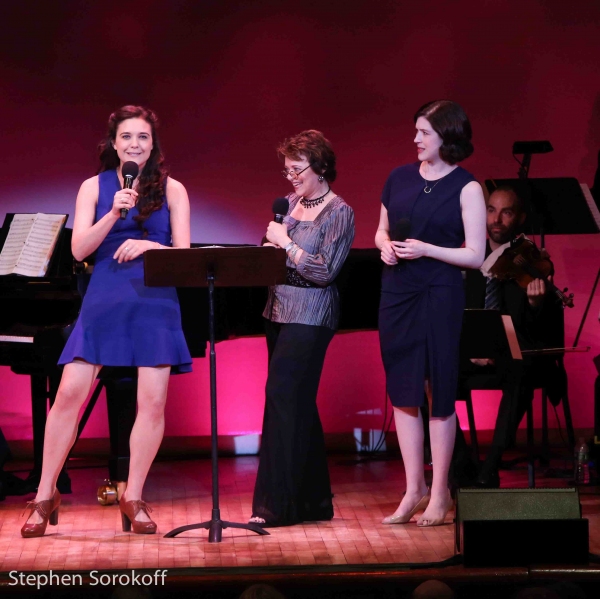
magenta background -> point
(232, 79)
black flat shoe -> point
(463, 475)
(488, 480)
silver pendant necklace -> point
(428, 187)
(428, 184)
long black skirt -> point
(292, 483)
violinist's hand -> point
(277, 234)
(482, 361)
(132, 248)
(388, 256)
(410, 249)
(535, 292)
(124, 198)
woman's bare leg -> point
(409, 427)
(61, 425)
(442, 432)
(148, 430)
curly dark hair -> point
(451, 123)
(313, 146)
(153, 178)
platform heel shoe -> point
(129, 511)
(48, 510)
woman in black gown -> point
(432, 225)
(292, 484)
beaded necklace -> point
(316, 201)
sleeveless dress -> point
(422, 300)
(122, 322)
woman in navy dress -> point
(432, 225)
(122, 322)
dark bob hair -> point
(313, 146)
(153, 178)
(450, 122)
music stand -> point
(555, 206)
(499, 341)
(215, 267)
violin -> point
(523, 262)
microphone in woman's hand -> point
(401, 230)
(280, 208)
(130, 171)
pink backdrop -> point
(232, 79)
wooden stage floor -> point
(89, 536)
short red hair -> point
(313, 146)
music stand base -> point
(215, 529)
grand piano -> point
(36, 314)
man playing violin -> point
(538, 322)
(505, 218)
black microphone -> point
(280, 209)
(130, 171)
(401, 230)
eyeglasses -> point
(294, 174)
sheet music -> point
(29, 244)
(591, 204)
(15, 242)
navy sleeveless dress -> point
(122, 322)
(422, 300)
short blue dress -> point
(422, 300)
(122, 322)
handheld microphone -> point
(130, 171)
(401, 230)
(280, 209)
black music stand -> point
(555, 206)
(215, 267)
(488, 334)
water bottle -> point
(582, 465)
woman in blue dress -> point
(122, 322)
(432, 225)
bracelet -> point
(293, 251)
(289, 246)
